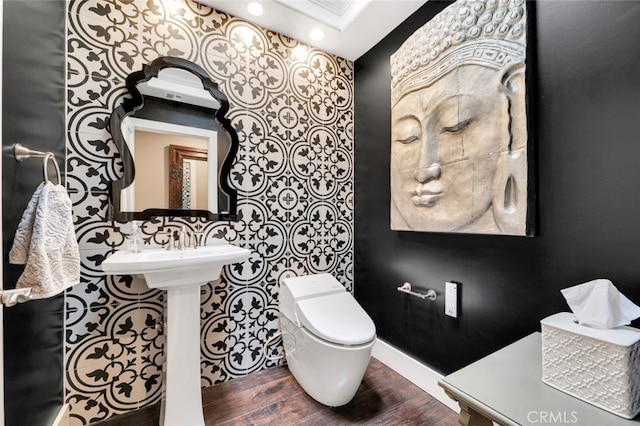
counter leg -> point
(470, 417)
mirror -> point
(176, 145)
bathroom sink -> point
(180, 273)
(164, 269)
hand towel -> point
(45, 242)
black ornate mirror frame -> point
(135, 103)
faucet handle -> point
(193, 242)
(171, 242)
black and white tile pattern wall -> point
(293, 109)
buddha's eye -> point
(408, 140)
(457, 128)
(407, 131)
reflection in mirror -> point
(188, 177)
(150, 143)
(176, 145)
(178, 85)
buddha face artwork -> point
(458, 122)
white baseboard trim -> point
(414, 371)
(62, 419)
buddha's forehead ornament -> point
(490, 33)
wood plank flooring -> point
(273, 397)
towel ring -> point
(49, 156)
(21, 152)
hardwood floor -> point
(273, 397)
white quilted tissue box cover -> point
(600, 367)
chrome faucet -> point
(181, 240)
(183, 236)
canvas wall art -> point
(459, 142)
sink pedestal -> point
(181, 273)
(182, 396)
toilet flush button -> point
(451, 299)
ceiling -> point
(351, 27)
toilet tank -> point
(305, 287)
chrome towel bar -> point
(406, 288)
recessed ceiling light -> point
(255, 8)
(317, 34)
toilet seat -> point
(337, 318)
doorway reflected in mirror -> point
(188, 177)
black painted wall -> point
(585, 111)
(33, 114)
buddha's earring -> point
(510, 200)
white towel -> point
(46, 243)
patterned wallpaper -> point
(293, 109)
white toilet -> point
(327, 337)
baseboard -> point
(414, 371)
(62, 419)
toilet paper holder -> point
(406, 288)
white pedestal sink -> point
(180, 273)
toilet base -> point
(329, 373)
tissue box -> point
(601, 367)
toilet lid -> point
(337, 318)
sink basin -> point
(172, 268)
(180, 273)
